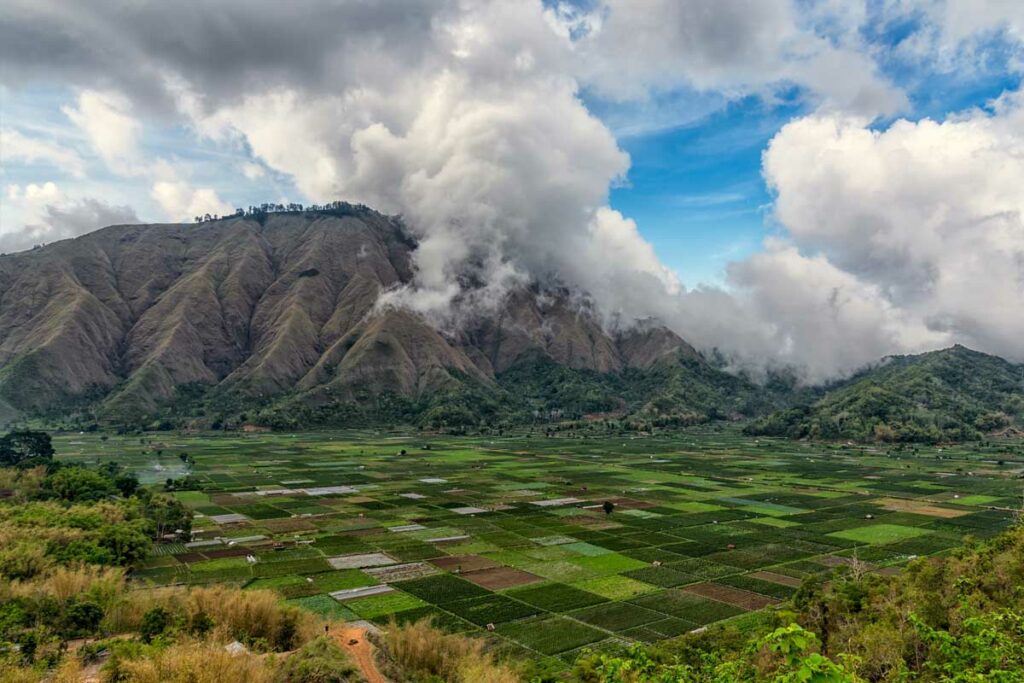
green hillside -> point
(950, 395)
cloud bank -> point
(469, 118)
(53, 216)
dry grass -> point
(197, 662)
(23, 482)
(919, 508)
(10, 673)
(420, 649)
(255, 617)
(103, 585)
(70, 670)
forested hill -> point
(951, 395)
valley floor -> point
(507, 538)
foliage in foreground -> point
(59, 515)
(417, 651)
(955, 619)
(318, 661)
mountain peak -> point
(248, 309)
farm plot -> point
(706, 525)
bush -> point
(318, 661)
(154, 623)
(77, 484)
(83, 618)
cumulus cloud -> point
(962, 36)
(629, 47)
(967, 19)
(17, 147)
(106, 118)
(51, 216)
(182, 202)
(479, 139)
(929, 212)
(900, 240)
(466, 117)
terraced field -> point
(507, 536)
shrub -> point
(318, 661)
(83, 617)
(154, 623)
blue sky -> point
(696, 188)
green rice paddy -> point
(506, 536)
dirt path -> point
(361, 652)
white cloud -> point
(181, 202)
(106, 118)
(965, 19)
(34, 194)
(961, 36)
(16, 147)
(253, 171)
(630, 47)
(917, 230)
(820, 317)
(43, 214)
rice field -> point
(507, 536)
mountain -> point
(949, 395)
(272, 317)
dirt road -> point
(361, 652)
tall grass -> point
(194, 662)
(257, 618)
(420, 649)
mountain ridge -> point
(273, 317)
(253, 308)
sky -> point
(804, 183)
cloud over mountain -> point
(470, 118)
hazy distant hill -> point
(272, 317)
(953, 394)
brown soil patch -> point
(632, 503)
(591, 522)
(360, 532)
(497, 578)
(287, 525)
(228, 499)
(833, 561)
(465, 563)
(354, 642)
(889, 571)
(780, 579)
(898, 505)
(190, 557)
(731, 596)
(401, 572)
(225, 552)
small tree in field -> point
(25, 448)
